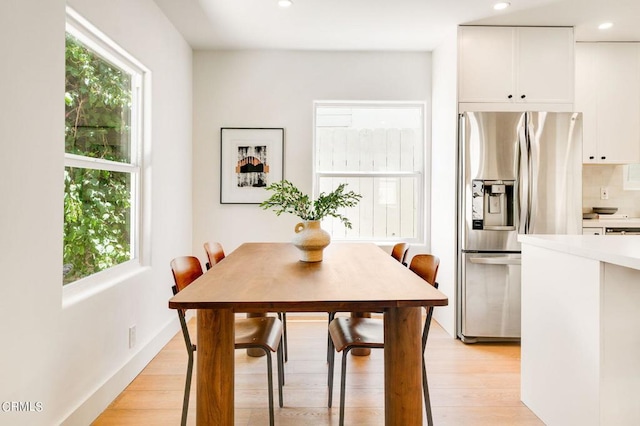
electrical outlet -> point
(604, 193)
(132, 336)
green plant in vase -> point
(310, 238)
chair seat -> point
(361, 332)
(263, 331)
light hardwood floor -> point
(475, 384)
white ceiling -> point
(401, 25)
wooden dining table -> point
(259, 277)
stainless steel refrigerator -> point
(519, 173)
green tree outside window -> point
(98, 197)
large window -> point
(378, 150)
(102, 153)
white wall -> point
(277, 89)
(443, 172)
(595, 176)
(75, 359)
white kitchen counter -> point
(623, 250)
(581, 328)
(603, 223)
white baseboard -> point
(99, 400)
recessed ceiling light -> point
(284, 3)
(605, 26)
(502, 5)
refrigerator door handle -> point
(534, 155)
(502, 260)
(523, 176)
(460, 194)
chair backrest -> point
(399, 252)
(185, 270)
(426, 266)
(215, 252)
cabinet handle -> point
(523, 96)
(603, 158)
(591, 157)
(510, 96)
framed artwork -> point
(251, 159)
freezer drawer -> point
(490, 296)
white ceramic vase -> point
(310, 239)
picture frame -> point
(250, 160)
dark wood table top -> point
(269, 276)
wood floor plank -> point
(475, 384)
(485, 416)
(148, 382)
(118, 417)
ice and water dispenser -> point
(493, 204)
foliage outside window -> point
(377, 148)
(101, 176)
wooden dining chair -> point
(263, 333)
(349, 333)
(399, 253)
(215, 254)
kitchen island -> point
(581, 328)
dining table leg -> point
(214, 400)
(403, 366)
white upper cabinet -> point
(486, 64)
(608, 95)
(516, 65)
(545, 71)
(587, 99)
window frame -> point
(627, 183)
(421, 177)
(137, 167)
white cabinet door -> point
(618, 103)
(545, 66)
(516, 65)
(608, 94)
(486, 64)
(587, 99)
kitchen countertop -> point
(601, 223)
(623, 250)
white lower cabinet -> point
(592, 231)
